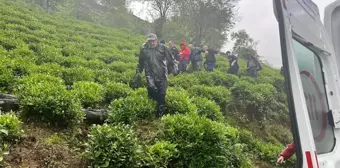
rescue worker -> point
(157, 61)
(184, 57)
(286, 153)
(233, 62)
(196, 57)
(210, 58)
(253, 66)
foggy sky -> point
(257, 18)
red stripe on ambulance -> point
(309, 159)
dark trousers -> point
(253, 73)
(183, 65)
(158, 93)
(210, 66)
(196, 65)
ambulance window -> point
(314, 89)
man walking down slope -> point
(155, 59)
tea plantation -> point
(57, 66)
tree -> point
(244, 44)
(207, 18)
(163, 9)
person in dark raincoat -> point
(210, 58)
(196, 57)
(253, 66)
(173, 50)
(157, 62)
(233, 62)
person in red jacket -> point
(286, 153)
(184, 54)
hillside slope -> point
(56, 66)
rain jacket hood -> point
(184, 53)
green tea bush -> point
(90, 94)
(184, 80)
(259, 100)
(71, 75)
(48, 69)
(162, 153)
(113, 146)
(47, 54)
(178, 102)
(131, 109)
(122, 66)
(140, 92)
(207, 108)
(73, 62)
(11, 43)
(10, 127)
(219, 94)
(7, 79)
(202, 142)
(44, 99)
(217, 78)
(115, 91)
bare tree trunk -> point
(158, 27)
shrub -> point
(207, 108)
(90, 94)
(219, 94)
(217, 78)
(113, 146)
(22, 52)
(44, 99)
(258, 100)
(131, 109)
(115, 91)
(7, 79)
(140, 92)
(202, 142)
(10, 127)
(122, 66)
(71, 75)
(178, 102)
(184, 80)
(162, 153)
(47, 54)
(49, 69)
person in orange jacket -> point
(184, 55)
(287, 153)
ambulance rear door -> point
(312, 83)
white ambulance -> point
(311, 61)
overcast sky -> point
(257, 18)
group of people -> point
(190, 54)
(158, 61)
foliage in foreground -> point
(10, 130)
(203, 143)
(44, 98)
